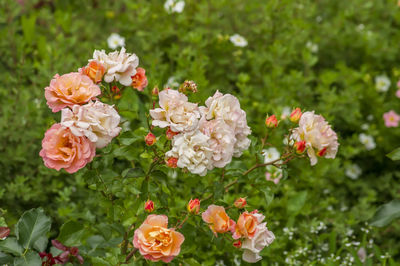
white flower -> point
(252, 247)
(313, 47)
(95, 120)
(172, 83)
(271, 155)
(368, 141)
(365, 126)
(318, 135)
(382, 83)
(172, 6)
(286, 111)
(120, 66)
(227, 107)
(353, 171)
(222, 140)
(115, 41)
(238, 40)
(193, 152)
(176, 112)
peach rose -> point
(62, 149)
(155, 241)
(246, 225)
(139, 80)
(70, 89)
(94, 70)
(218, 220)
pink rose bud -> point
(237, 244)
(295, 115)
(322, 152)
(300, 146)
(271, 121)
(170, 134)
(172, 162)
(240, 203)
(150, 139)
(155, 91)
(149, 206)
(194, 206)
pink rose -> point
(62, 149)
(155, 241)
(218, 220)
(246, 225)
(391, 119)
(70, 89)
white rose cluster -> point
(208, 136)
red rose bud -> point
(295, 115)
(271, 121)
(172, 162)
(240, 203)
(4, 232)
(116, 91)
(237, 244)
(155, 91)
(194, 206)
(300, 146)
(170, 134)
(150, 139)
(149, 206)
(322, 152)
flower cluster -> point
(86, 122)
(203, 137)
(251, 233)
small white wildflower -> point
(313, 47)
(370, 117)
(174, 6)
(368, 141)
(349, 232)
(271, 155)
(238, 40)
(360, 27)
(365, 126)
(382, 83)
(318, 19)
(115, 41)
(353, 171)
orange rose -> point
(218, 220)
(139, 80)
(246, 225)
(94, 70)
(155, 241)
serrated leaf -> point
(32, 225)
(30, 259)
(41, 244)
(394, 155)
(11, 245)
(386, 213)
(5, 258)
(71, 233)
(100, 262)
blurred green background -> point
(318, 55)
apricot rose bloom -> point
(70, 89)
(320, 139)
(155, 241)
(94, 70)
(246, 225)
(218, 220)
(62, 149)
(139, 80)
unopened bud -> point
(194, 206)
(271, 121)
(240, 203)
(116, 92)
(155, 91)
(295, 115)
(150, 139)
(300, 146)
(237, 244)
(170, 134)
(149, 206)
(172, 162)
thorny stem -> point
(130, 255)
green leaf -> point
(5, 258)
(296, 202)
(100, 262)
(394, 155)
(219, 190)
(32, 225)
(386, 213)
(71, 233)
(30, 259)
(268, 194)
(133, 172)
(192, 262)
(41, 244)
(10, 245)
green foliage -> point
(386, 214)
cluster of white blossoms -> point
(95, 120)
(320, 139)
(207, 136)
(119, 65)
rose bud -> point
(150, 139)
(94, 70)
(271, 121)
(194, 206)
(116, 91)
(155, 91)
(300, 146)
(172, 162)
(170, 134)
(240, 203)
(149, 206)
(295, 115)
(237, 244)
(139, 80)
